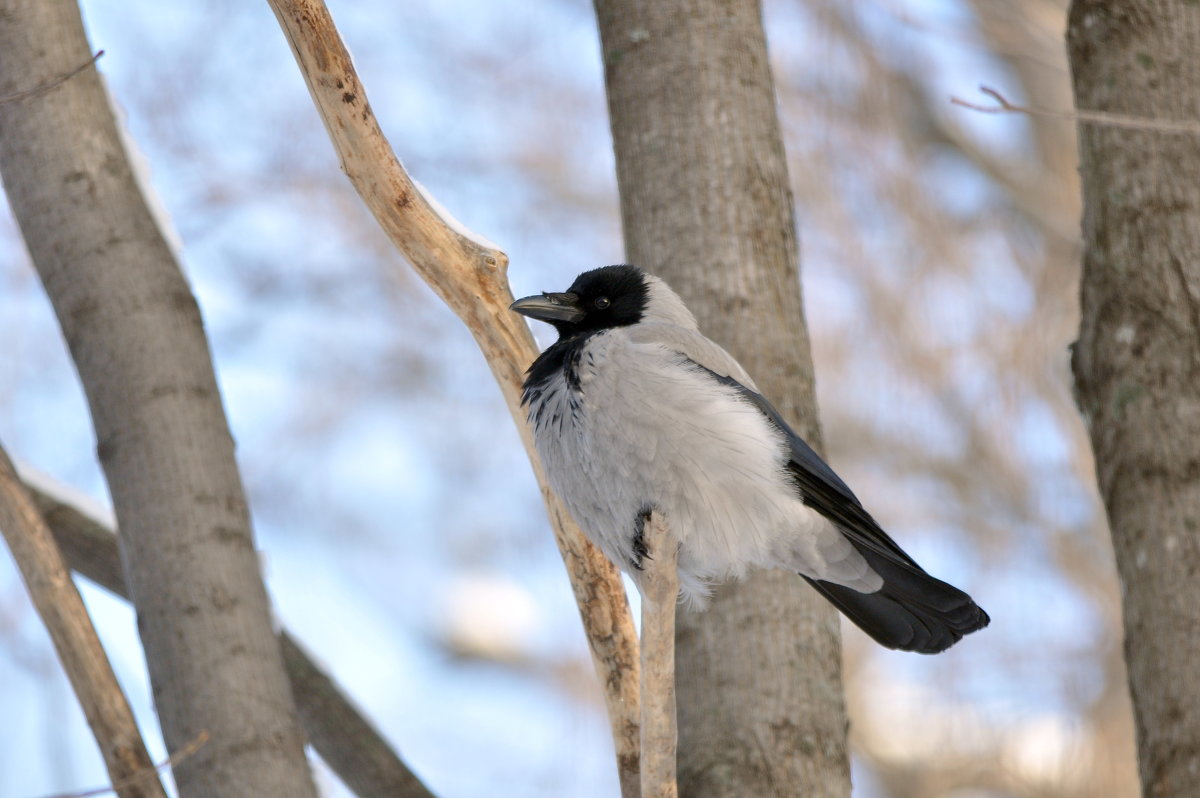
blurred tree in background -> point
(1137, 362)
(404, 539)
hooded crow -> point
(634, 410)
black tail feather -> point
(913, 611)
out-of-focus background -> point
(403, 535)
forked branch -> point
(469, 274)
(1103, 118)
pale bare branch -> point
(343, 737)
(659, 583)
(469, 275)
(75, 639)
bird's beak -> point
(549, 307)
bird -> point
(633, 411)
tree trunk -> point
(136, 337)
(706, 204)
(1137, 361)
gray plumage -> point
(633, 409)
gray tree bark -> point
(138, 342)
(1137, 361)
(706, 204)
(344, 737)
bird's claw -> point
(639, 540)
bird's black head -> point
(611, 296)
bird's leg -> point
(640, 552)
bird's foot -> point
(640, 552)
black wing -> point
(913, 611)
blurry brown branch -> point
(347, 742)
(469, 275)
(343, 737)
(75, 639)
(174, 759)
(1088, 117)
(660, 593)
(51, 84)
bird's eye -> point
(602, 303)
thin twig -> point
(659, 583)
(174, 759)
(75, 640)
(52, 84)
(1089, 117)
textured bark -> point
(706, 204)
(137, 340)
(1137, 361)
(60, 606)
(344, 738)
